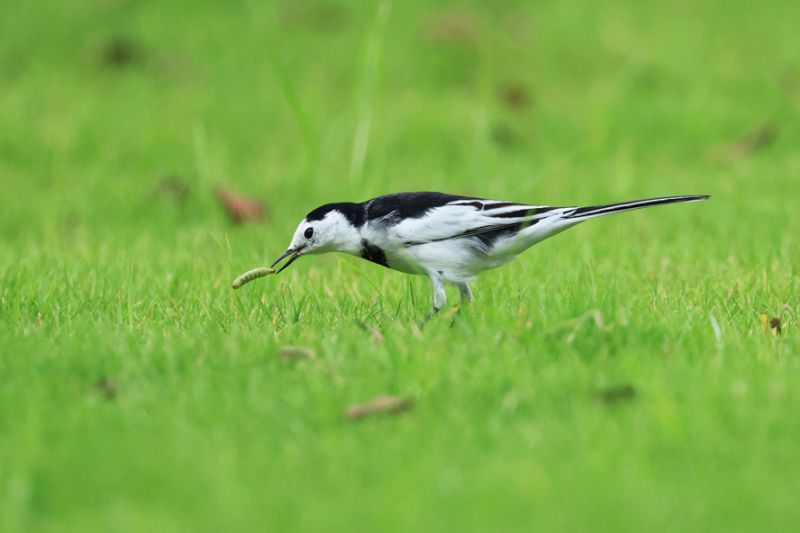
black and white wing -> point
(413, 219)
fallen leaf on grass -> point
(297, 353)
(616, 394)
(379, 405)
(455, 26)
(746, 145)
(107, 387)
(240, 209)
(514, 96)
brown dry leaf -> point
(240, 209)
(514, 96)
(454, 26)
(775, 325)
(107, 387)
(746, 145)
(379, 405)
(297, 353)
(616, 394)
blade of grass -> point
(366, 97)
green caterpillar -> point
(250, 275)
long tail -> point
(582, 213)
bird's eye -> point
(309, 233)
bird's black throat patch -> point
(370, 252)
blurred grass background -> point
(138, 392)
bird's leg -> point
(439, 296)
(465, 292)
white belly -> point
(456, 260)
(460, 260)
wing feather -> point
(485, 220)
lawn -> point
(639, 372)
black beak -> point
(294, 255)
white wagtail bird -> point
(445, 237)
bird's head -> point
(329, 228)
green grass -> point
(299, 104)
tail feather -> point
(599, 210)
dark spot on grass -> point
(317, 16)
(746, 145)
(790, 81)
(379, 405)
(457, 26)
(240, 209)
(70, 221)
(173, 188)
(120, 51)
(758, 139)
(297, 353)
(515, 96)
(504, 136)
(616, 394)
(775, 325)
(14, 64)
(107, 388)
(375, 334)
